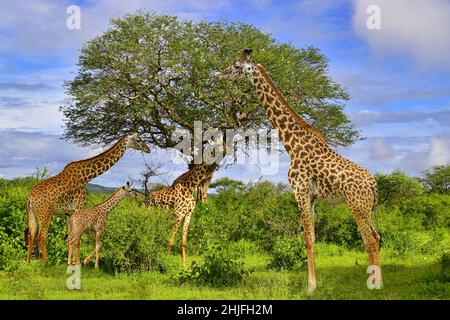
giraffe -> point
(65, 192)
(179, 198)
(95, 220)
(316, 172)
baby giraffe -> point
(95, 220)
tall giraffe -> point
(179, 197)
(94, 219)
(66, 192)
(316, 171)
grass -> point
(340, 275)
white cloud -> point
(381, 150)
(38, 29)
(366, 117)
(414, 28)
(440, 151)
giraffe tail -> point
(25, 233)
(27, 229)
(33, 225)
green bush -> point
(402, 242)
(135, 239)
(335, 224)
(11, 251)
(219, 268)
(433, 210)
(258, 212)
(289, 253)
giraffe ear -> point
(128, 183)
(246, 54)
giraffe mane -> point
(94, 157)
(182, 176)
(109, 198)
(187, 173)
(302, 122)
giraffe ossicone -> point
(316, 171)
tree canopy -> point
(437, 179)
(155, 74)
(397, 186)
(225, 183)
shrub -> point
(289, 253)
(135, 239)
(11, 251)
(337, 225)
(219, 268)
(401, 241)
(433, 210)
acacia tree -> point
(155, 74)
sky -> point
(394, 59)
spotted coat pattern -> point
(179, 198)
(316, 171)
(66, 192)
(93, 219)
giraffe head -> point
(244, 66)
(136, 142)
(129, 191)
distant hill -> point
(96, 188)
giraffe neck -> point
(88, 169)
(280, 113)
(110, 203)
(192, 178)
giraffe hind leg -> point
(371, 239)
(42, 236)
(31, 230)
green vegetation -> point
(155, 74)
(246, 242)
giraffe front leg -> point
(175, 226)
(98, 245)
(69, 252)
(306, 205)
(88, 258)
(77, 252)
(308, 230)
(186, 222)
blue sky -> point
(398, 77)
